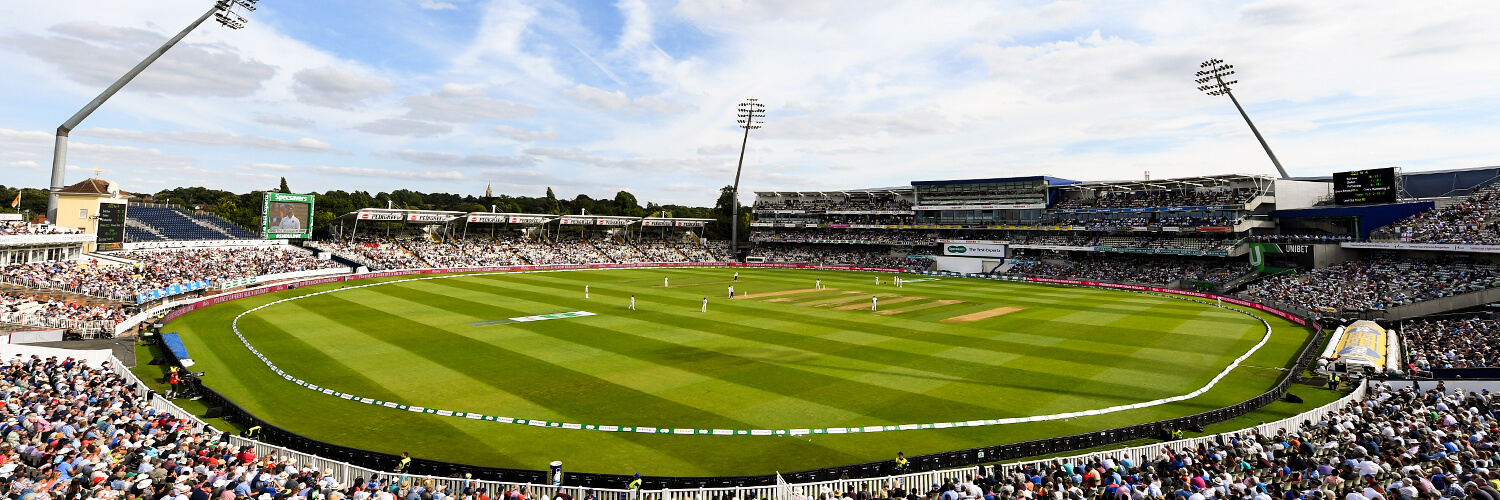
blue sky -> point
(596, 97)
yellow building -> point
(78, 205)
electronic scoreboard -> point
(1363, 187)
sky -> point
(641, 95)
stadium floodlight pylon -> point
(748, 112)
(1210, 80)
(222, 11)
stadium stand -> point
(1474, 220)
(20, 228)
(378, 254)
(33, 310)
(155, 223)
(1129, 269)
(833, 255)
(1379, 283)
(1452, 343)
(1163, 198)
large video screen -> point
(1363, 187)
(286, 216)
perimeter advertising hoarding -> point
(286, 216)
(991, 251)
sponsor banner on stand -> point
(1441, 247)
(974, 250)
(379, 216)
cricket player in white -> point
(705, 305)
(666, 281)
(632, 302)
(731, 291)
(874, 303)
(585, 291)
(818, 285)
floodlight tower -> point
(1211, 80)
(748, 112)
(222, 10)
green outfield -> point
(788, 356)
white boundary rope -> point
(722, 432)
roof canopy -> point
(1169, 184)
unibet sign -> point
(990, 251)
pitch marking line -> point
(527, 319)
(235, 326)
(999, 311)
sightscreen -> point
(286, 216)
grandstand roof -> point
(1051, 181)
(401, 215)
(1436, 183)
(899, 190)
(1177, 183)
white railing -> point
(345, 471)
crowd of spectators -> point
(617, 250)
(31, 309)
(874, 237)
(1163, 198)
(1374, 284)
(1452, 343)
(875, 202)
(1394, 444)
(1473, 221)
(838, 255)
(659, 250)
(1129, 269)
(170, 267)
(18, 227)
(377, 254)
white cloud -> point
(421, 175)
(524, 135)
(283, 121)
(39, 145)
(402, 126)
(432, 5)
(304, 144)
(26, 164)
(337, 87)
(96, 55)
(459, 160)
(617, 100)
(460, 103)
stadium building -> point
(1410, 255)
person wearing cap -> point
(635, 485)
(901, 462)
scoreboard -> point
(111, 223)
(1363, 187)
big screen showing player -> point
(286, 216)
(1363, 187)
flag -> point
(17, 202)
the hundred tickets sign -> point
(986, 250)
(286, 216)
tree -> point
(284, 189)
(626, 204)
(549, 204)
